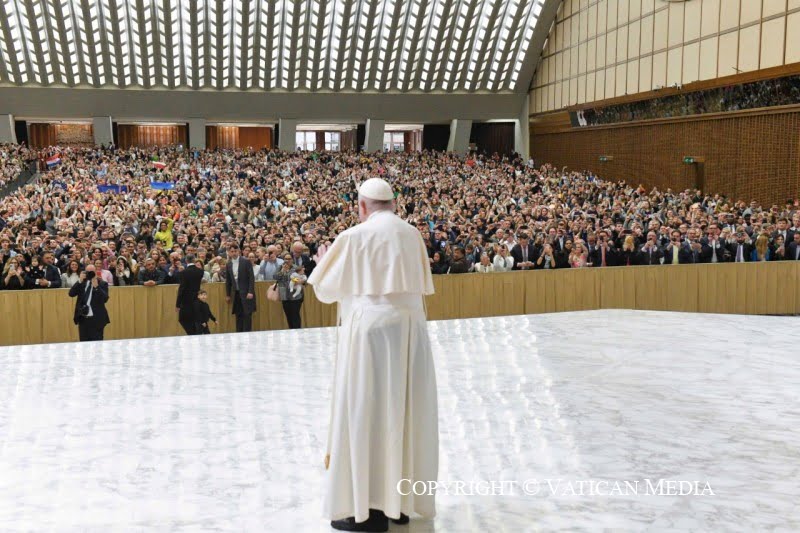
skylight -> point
(332, 45)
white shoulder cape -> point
(383, 255)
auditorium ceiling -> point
(410, 46)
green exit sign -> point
(693, 159)
(688, 160)
(606, 158)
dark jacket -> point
(204, 313)
(246, 284)
(516, 253)
(190, 280)
(156, 275)
(596, 257)
(99, 299)
(733, 249)
(459, 266)
(650, 257)
(186, 302)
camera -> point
(90, 275)
(84, 310)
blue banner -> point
(113, 189)
(162, 185)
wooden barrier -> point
(45, 316)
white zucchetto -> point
(376, 189)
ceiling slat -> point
(339, 45)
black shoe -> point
(403, 520)
(377, 522)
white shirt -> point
(503, 264)
(89, 290)
(235, 267)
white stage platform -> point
(226, 432)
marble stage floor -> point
(226, 432)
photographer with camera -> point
(91, 315)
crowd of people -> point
(139, 215)
(13, 159)
(766, 93)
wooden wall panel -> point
(610, 37)
(211, 137)
(348, 141)
(41, 135)
(139, 312)
(257, 137)
(142, 135)
(748, 156)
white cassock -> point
(384, 417)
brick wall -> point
(747, 156)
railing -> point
(45, 316)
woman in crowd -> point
(218, 271)
(164, 233)
(72, 275)
(628, 255)
(577, 259)
(485, 266)
(122, 274)
(291, 283)
(562, 258)
(13, 275)
(547, 259)
(439, 264)
(256, 266)
(503, 262)
(763, 250)
(102, 273)
(206, 275)
(780, 249)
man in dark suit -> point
(90, 315)
(714, 248)
(674, 252)
(186, 304)
(793, 249)
(651, 253)
(740, 250)
(459, 265)
(604, 255)
(783, 230)
(52, 276)
(524, 254)
(300, 259)
(240, 286)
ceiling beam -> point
(484, 59)
(533, 54)
(515, 35)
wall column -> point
(459, 136)
(287, 133)
(373, 141)
(522, 130)
(197, 133)
(8, 135)
(103, 134)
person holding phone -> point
(91, 315)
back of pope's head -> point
(375, 194)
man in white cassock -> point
(384, 432)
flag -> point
(114, 189)
(162, 185)
(159, 165)
(53, 161)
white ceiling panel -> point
(268, 45)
